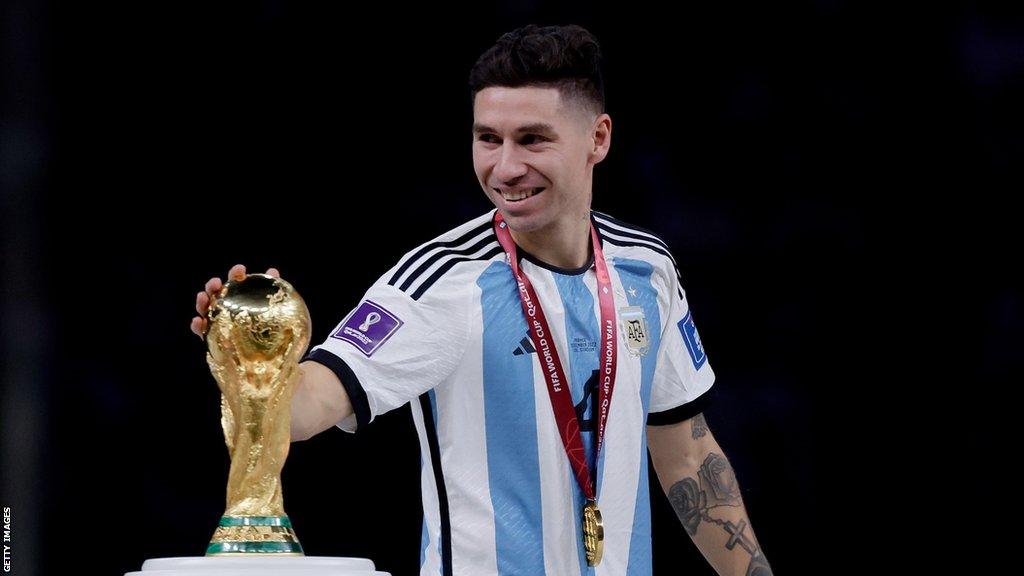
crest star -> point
(632, 291)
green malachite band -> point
(253, 547)
(255, 521)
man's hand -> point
(204, 299)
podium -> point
(259, 566)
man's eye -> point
(532, 139)
(489, 138)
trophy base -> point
(251, 565)
(254, 535)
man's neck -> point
(563, 244)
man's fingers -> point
(198, 326)
(213, 285)
(202, 303)
(205, 298)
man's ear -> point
(601, 138)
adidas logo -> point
(525, 347)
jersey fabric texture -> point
(445, 331)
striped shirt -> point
(444, 330)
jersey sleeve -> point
(682, 374)
(391, 348)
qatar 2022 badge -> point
(634, 330)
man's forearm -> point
(708, 503)
(703, 490)
(319, 401)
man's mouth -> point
(517, 195)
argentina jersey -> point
(444, 330)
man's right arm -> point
(319, 400)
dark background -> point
(837, 180)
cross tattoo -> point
(738, 536)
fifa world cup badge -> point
(634, 330)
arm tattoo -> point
(700, 426)
(759, 566)
(689, 503)
(718, 479)
(717, 487)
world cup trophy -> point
(258, 329)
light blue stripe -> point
(433, 410)
(582, 334)
(636, 274)
(511, 427)
(424, 536)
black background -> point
(837, 181)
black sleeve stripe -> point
(622, 233)
(356, 394)
(606, 222)
(612, 221)
(682, 412)
(488, 239)
(638, 234)
(625, 237)
(617, 242)
(432, 245)
(448, 265)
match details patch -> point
(368, 327)
(692, 339)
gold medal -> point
(593, 533)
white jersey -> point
(444, 330)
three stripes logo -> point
(430, 262)
(525, 347)
(423, 268)
(618, 233)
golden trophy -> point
(258, 329)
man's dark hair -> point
(563, 57)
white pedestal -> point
(259, 566)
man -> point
(543, 348)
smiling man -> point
(534, 153)
(544, 348)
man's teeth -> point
(520, 195)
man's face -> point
(534, 153)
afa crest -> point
(634, 330)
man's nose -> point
(510, 165)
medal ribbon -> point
(551, 364)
